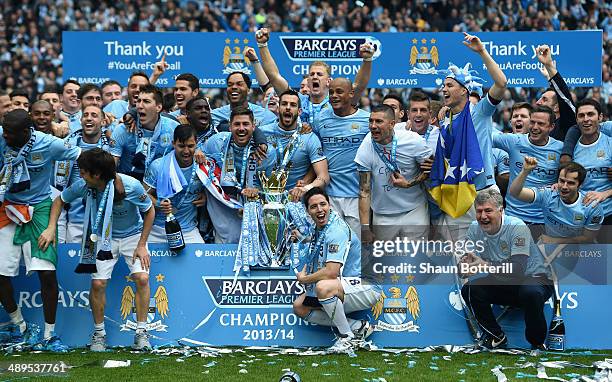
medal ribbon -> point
(391, 162)
(287, 153)
(311, 116)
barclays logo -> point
(253, 292)
(340, 48)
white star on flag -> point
(450, 171)
(464, 169)
(442, 141)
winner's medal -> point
(93, 237)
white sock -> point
(319, 317)
(141, 326)
(49, 328)
(335, 310)
(17, 319)
(99, 329)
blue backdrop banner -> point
(195, 299)
(400, 60)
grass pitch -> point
(252, 366)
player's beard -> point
(287, 127)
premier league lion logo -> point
(394, 310)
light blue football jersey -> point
(545, 174)
(127, 220)
(501, 161)
(596, 158)
(513, 238)
(40, 163)
(340, 138)
(340, 245)
(310, 110)
(186, 213)
(308, 150)
(124, 143)
(566, 220)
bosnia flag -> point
(457, 162)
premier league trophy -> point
(274, 215)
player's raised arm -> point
(363, 75)
(499, 78)
(267, 62)
(262, 78)
(516, 188)
(158, 70)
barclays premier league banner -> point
(196, 299)
(401, 59)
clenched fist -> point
(262, 35)
(529, 163)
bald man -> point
(42, 115)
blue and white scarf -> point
(171, 180)
(253, 247)
(297, 218)
(14, 175)
(63, 169)
(285, 154)
(249, 166)
(146, 147)
(104, 215)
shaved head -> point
(342, 82)
(42, 104)
(340, 96)
(42, 114)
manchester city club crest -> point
(157, 312)
(234, 59)
(504, 247)
(424, 56)
(393, 313)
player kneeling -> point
(332, 276)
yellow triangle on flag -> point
(454, 199)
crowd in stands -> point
(31, 31)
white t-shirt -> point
(399, 126)
(411, 151)
(430, 136)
